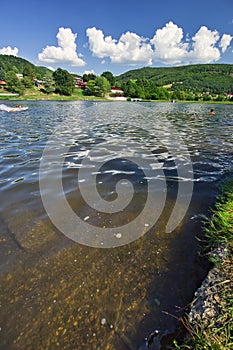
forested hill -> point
(204, 82)
(18, 65)
(216, 78)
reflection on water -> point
(58, 294)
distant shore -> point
(80, 97)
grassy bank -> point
(35, 94)
(79, 95)
(216, 332)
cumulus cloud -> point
(130, 49)
(168, 46)
(204, 49)
(89, 71)
(9, 51)
(225, 42)
(65, 52)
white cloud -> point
(51, 68)
(204, 49)
(168, 46)
(89, 72)
(9, 51)
(65, 52)
(225, 42)
(131, 49)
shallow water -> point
(59, 294)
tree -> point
(190, 96)
(13, 83)
(163, 94)
(2, 74)
(206, 97)
(89, 76)
(181, 95)
(48, 86)
(102, 86)
(130, 88)
(220, 98)
(28, 76)
(98, 87)
(110, 77)
(27, 82)
(28, 72)
(90, 88)
(64, 82)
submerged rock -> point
(153, 341)
(205, 307)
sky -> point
(96, 36)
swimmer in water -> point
(212, 111)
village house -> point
(79, 83)
(39, 83)
(115, 91)
(3, 84)
(19, 76)
(117, 94)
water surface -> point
(59, 294)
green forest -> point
(202, 82)
(18, 65)
(205, 81)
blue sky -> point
(84, 36)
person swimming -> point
(212, 111)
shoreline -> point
(80, 97)
(209, 321)
(96, 99)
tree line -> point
(193, 82)
(196, 82)
(59, 82)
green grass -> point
(219, 228)
(78, 94)
(219, 231)
(36, 94)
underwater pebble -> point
(86, 218)
(103, 321)
(118, 235)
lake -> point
(101, 207)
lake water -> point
(129, 269)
